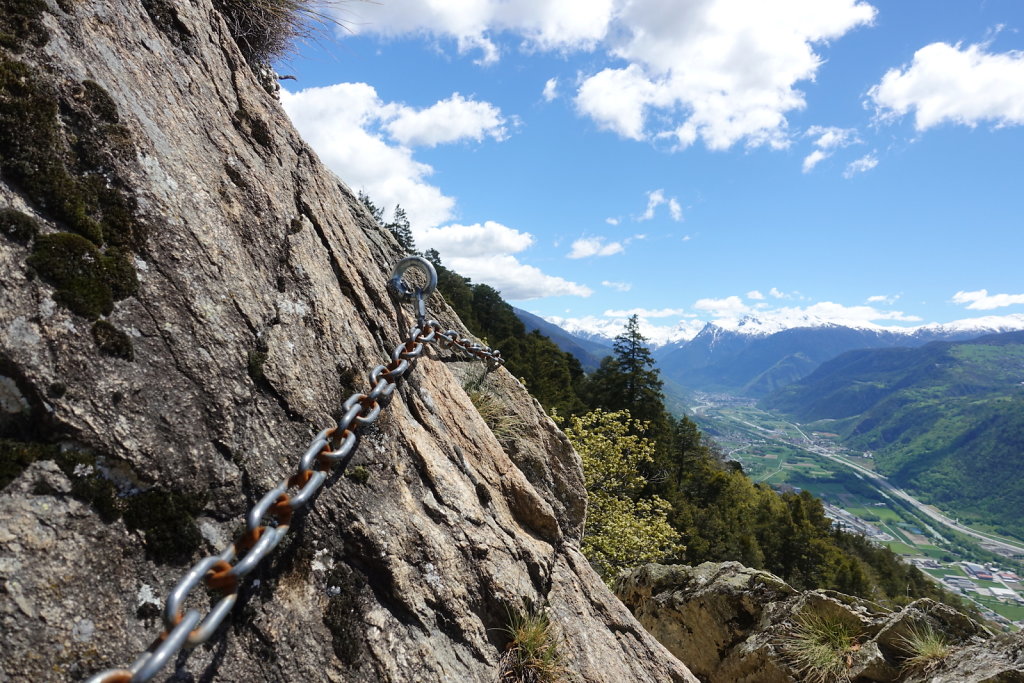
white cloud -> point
(348, 126)
(550, 89)
(755, 295)
(656, 198)
(775, 293)
(887, 299)
(862, 165)
(723, 71)
(467, 241)
(951, 83)
(812, 159)
(721, 308)
(450, 120)
(585, 247)
(828, 139)
(645, 313)
(564, 25)
(675, 210)
(486, 253)
(611, 221)
(340, 122)
(686, 238)
(619, 286)
(981, 300)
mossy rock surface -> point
(112, 341)
(21, 25)
(18, 226)
(74, 265)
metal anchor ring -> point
(405, 291)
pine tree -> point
(628, 380)
(375, 211)
(400, 228)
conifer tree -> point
(628, 380)
(402, 230)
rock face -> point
(731, 624)
(186, 297)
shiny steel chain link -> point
(223, 573)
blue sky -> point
(702, 160)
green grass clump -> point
(926, 648)
(532, 654)
(820, 648)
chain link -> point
(224, 572)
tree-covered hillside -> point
(945, 420)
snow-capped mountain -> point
(755, 355)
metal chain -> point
(224, 572)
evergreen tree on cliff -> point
(628, 380)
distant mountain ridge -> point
(754, 357)
(945, 419)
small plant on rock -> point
(926, 648)
(820, 648)
(532, 654)
(504, 425)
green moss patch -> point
(21, 25)
(87, 280)
(18, 226)
(112, 341)
(166, 518)
(60, 150)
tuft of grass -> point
(504, 426)
(532, 654)
(926, 648)
(820, 648)
(268, 29)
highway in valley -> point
(995, 543)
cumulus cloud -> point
(862, 165)
(775, 293)
(486, 253)
(550, 89)
(450, 120)
(564, 25)
(645, 312)
(656, 198)
(618, 286)
(981, 300)
(720, 308)
(366, 141)
(887, 299)
(828, 139)
(585, 247)
(467, 241)
(720, 71)
(955, 84)
(755, 295)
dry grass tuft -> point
(532, 654)
(926, 648)
(504, 425)
(820, 648)
(268, 29)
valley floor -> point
(980, 566)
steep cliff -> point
(186, 298)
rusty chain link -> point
(223, 573)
